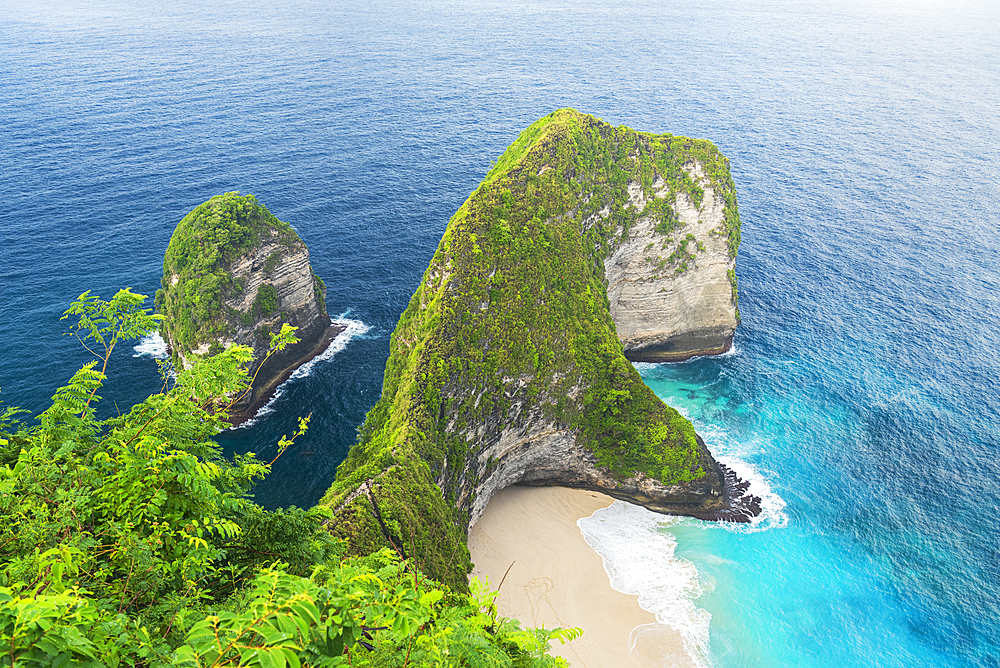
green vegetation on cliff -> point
(132, 541)
(197, 266)
(512, 314)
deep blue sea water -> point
(865, 141)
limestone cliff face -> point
(673, 296)
(233, 273)
(535, 451)
(507, 367)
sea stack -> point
(233, 273)
(507, 367)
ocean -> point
(861, 396)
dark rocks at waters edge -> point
(737, 506)
(278, 368)
(719, 497)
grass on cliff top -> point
(201, 251)
(512, 317)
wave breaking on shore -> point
(151, 345)
(639, 560)
(351, 329)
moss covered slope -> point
(508, 345)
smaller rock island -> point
(232, 274)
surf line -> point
(350, 330)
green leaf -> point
(292, 658)
(431, 597)
(305, 610)
(272, 658)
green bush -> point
(266, 301)
(133, 541)
(272, 262)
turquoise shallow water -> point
(827, 598)
(861, 559)
(865, 146)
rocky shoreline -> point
(737, 505)
(240, 414)
(660, 356)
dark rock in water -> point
(233, 273)
(736, 506)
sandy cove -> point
(558, 580)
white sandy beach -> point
(557, 579)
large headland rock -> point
(506, 367)
(233, 273)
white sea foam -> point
(734, 455)
(732, 352)
(352, 329)
(772, 514)
(639, 560)
(645, 366)
(151, 345)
